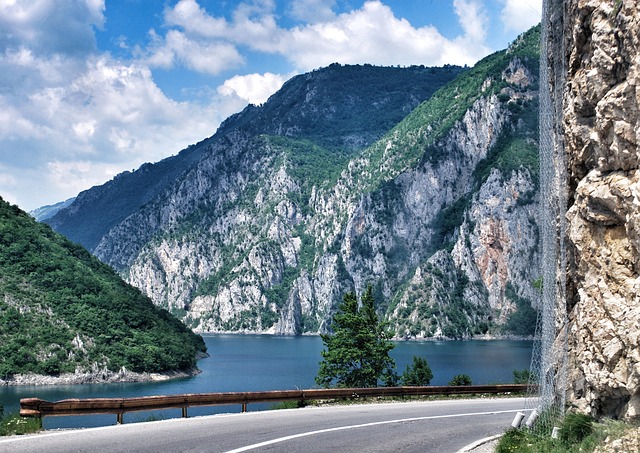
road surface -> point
(428, 426)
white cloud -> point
(205, 57)
(312, 11)
(64, 27)
(371, 34)
(473, 19)
(520, 15)
(254, 88)
(374, 35)
(189, 15)
(252, 25)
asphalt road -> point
(433, 426)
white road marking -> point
(364, 425)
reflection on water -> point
(264, 362)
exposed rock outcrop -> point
(94, 376)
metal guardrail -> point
(35, 407)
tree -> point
(418, 373)
(460, 379)
(357, 353)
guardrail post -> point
(184, 412)
(244, 407)
(120, 418)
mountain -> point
(64, 311)
(346, 107)
(422, 182)
(45, 212)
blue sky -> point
(91, 88)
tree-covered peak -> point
(343, 105)
(62, 309)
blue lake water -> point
(265, 362)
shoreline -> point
(95, 376)
(485, 337)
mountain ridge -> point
(274, 222)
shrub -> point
(460, 379)
(13, 424)
(512, 441)
(418, 373)
(521, 376)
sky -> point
(92, 88)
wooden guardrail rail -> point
(35, 407)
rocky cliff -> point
(601, 60)
(431, 198)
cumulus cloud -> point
(50, 26)
(473, 19)
(374, 35)
(253, 25)
(201, 56)
(104, 116)
(519, 15)
(253, 88)
(371, 34)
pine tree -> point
(357, 353)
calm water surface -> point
(265, 362)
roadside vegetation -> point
(356, 353)
(577, 433)
(13, 424)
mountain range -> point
(421, 182)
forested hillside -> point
(62, 310)
(349, 176)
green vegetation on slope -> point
(61, 308)
(415, 137)
(578, 433)
(343, 106)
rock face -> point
(601, 134)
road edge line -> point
(477, 443)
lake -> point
(266, 362)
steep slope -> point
(279, 218)
(343, 107)
(63, 311)
(94, 212)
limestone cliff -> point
(601, 134)
(335, 184)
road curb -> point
(478, 443)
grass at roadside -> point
(578, 433)
(13, 424)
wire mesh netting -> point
(549, 358)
